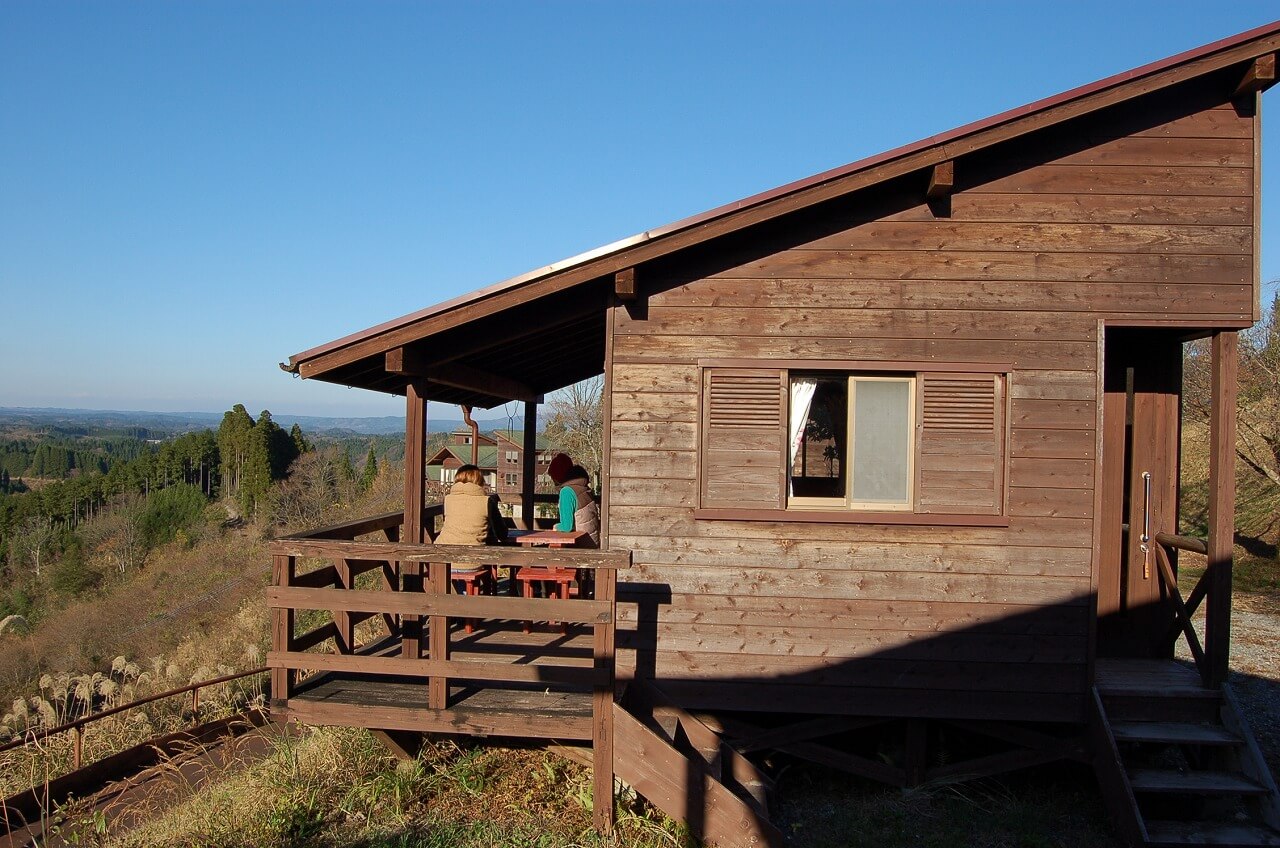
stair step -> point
(1200, 782)
(1138, 705)
(1173, 733)
(1167, 833)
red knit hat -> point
(559, 468)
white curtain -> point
(802, 392)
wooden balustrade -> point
(403, 600)
(1183, 610)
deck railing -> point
(1183, 610)
(411, 596)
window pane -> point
(881, 441)
(818, 464)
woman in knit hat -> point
(579, 509)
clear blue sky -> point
(191, 192)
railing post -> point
(602, 703)
(283, 569)
(1222, 499)
(195, 705)
(77, 746)
(438, 637)
(346, 631)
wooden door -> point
(1141, 434)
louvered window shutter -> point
(960, 460)
(744, 424)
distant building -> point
(500, 455)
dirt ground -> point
(1255, 673)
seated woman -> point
(579, 509)
(471, 517)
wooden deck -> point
(400, 702)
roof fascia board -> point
(614, 257)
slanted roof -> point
(544, 330)
(487, 456)
(516, 437)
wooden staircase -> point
(1176, 761)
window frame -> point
(831, 513)
(847, 501)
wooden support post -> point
(917, 748)
(342, 622)
(606, 580)
(1222, 502)
(415, 499)
(283, 569)
(529, 467)
(438, 637)
(77, 748)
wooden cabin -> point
(895, 446)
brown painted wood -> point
(602, 706)
(624, 284)
(1260, 76)
(517, 720)
(282, 680)
(436, 669)
(672, 783)
(942, 180)
(458, 555)
(414, 530)
(529, 467)
(1221, 542)
(459, 606)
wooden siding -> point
(1039, 242)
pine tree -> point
(346, 471)
(299, 440)
(370, 470)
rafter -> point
(409, 362)
(1260, 76)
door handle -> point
(1145, 538)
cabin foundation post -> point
(1222, 499)
(415, 500)
(529, 467)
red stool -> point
(560, 578)
(475, 583)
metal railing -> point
(77, 727)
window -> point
(447, 474)
(511, 479)
(513, 456)
(853, 441)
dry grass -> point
(63, 696)
(336, 786)
(180, 593)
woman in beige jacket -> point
(471, 516)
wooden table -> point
(561, 577)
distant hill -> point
(176, 422)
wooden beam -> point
(413, 530)
(624, 284)
(407, 361)
(529, 466)
(942, 180)
(1260, 76)
(1222, 500)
